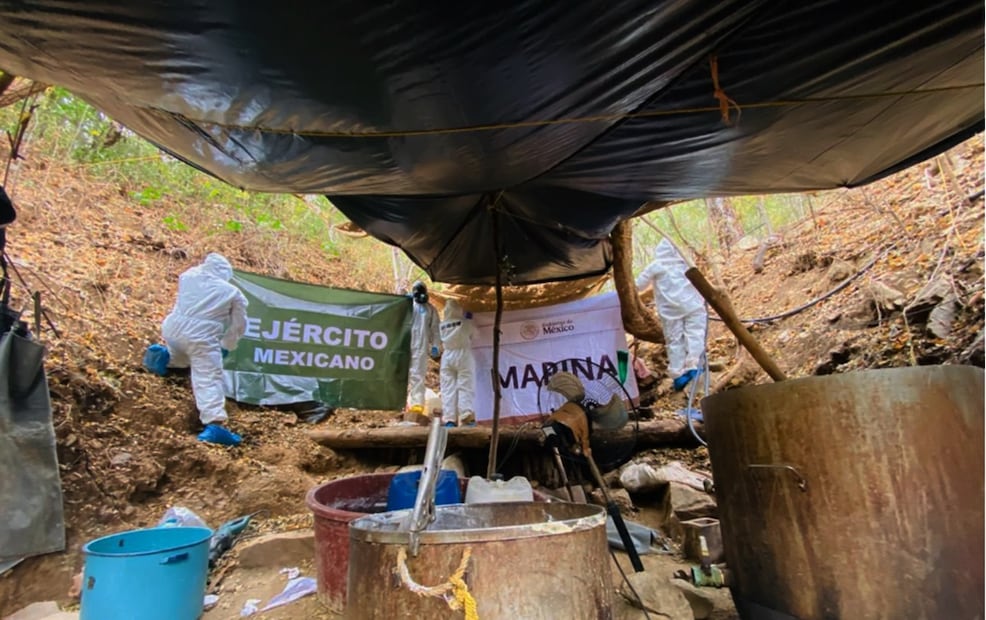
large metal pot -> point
(853, 496)
(530, 560)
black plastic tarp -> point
(414, 118)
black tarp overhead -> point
(415, 118)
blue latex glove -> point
(434, 352)
(468, 314)
(225, 353)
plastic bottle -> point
(482, 491)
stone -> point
(622, 500)
(121, 458)
(688, 503)
(748, 242)
(625, 610)
(277, 550)
(702, 604)
(839, 270)
(941, 318)
(35, 611)
(612, 479)
(884, 298)
(658, 595)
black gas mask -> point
(419, 293)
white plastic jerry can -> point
(483, 491)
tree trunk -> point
(764, 218)
(725, 223)
(654, 433)
(637, 319)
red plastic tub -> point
(334, 505)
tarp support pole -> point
(495, 437)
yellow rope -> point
(408, 133)
(454, 591)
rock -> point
(717, 365)
(658, 595)
(839, 270)
(612, 479)
(121, 458)
(884, 298)
(941, 318)
(622, 499)
(625, 610)
(688, 503)
(747, 243)
(702, 604)
(35, 611)
(278, 550)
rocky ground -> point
(107, 269)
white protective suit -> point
(424, 336)
(680, 306)
(458, 372)
(209, 315)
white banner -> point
(580, 337)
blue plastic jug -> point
(404, 489)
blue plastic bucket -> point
(404, 489)
(152, 574)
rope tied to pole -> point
(724, 100)
(454, 590)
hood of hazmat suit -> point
(208, 306)
(674, 294)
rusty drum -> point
(522, 560)
(853, 496)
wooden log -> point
(651, 434)
(724, 308)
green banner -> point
(341, 347)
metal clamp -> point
(423, 512)
(802, 483)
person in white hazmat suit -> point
(424, 342)
(681, 309)
(458, 370)
(207, 321)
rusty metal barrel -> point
(517, 560)
(853, 496)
